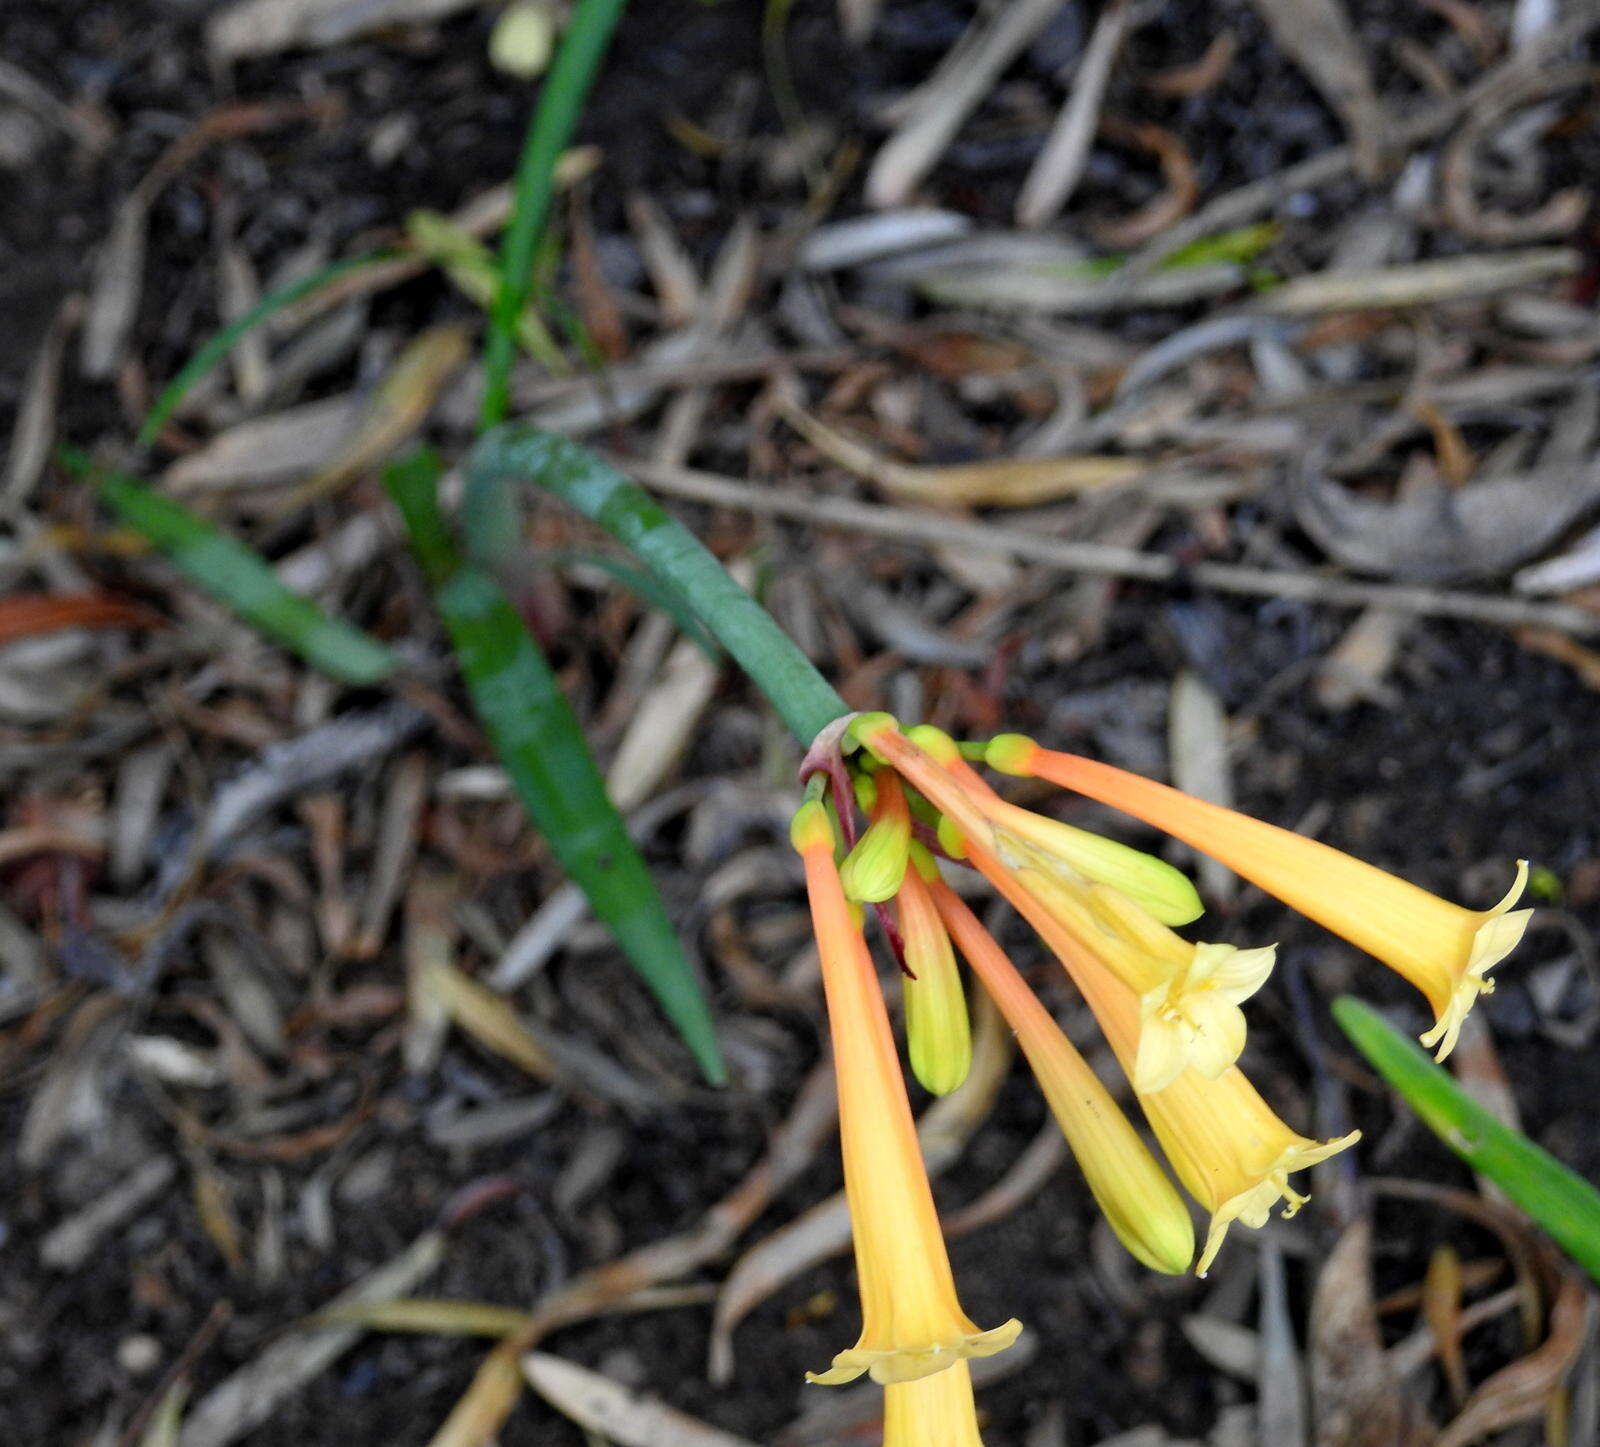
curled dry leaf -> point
(1171, 206)
(1440, 533)
(1522, 1391)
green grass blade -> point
(803, 698)
(1566, 1205)
(577, 59)
(242, 580)
(541, 745)
(223, 342)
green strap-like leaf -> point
(515, 454)
(1567, 1206)
(560, 101)
(223, 342)
(240, 578)
(541, 745)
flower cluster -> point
(1169, 1008)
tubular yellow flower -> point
(912, 1323)
(1227, 1145)
(1189, 994)
(936, 1411)
(1444, 950)
(938, 1032)
(1132, 1191)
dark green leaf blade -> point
(675, 557)
(242, 580)
(1567, 1206)
(541, 745)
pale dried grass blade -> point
(267, 27)
(489, 1018)
(1441, 1310)
(116, 288)
(1055, 174)
(483, 1408)
(422, 1315)
(1280, 1385)
(397, 408)
(1419, 283)
(71, 1242)
(1317, 36)
(399, 826)
(945, 102)
(1007, 482)
(36, 414)
(1356, 668)
(1197, 744)
(618, 1414)
(267, 450)
(250, 1396)
(663, 724)
(673, 277)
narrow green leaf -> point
(1567, 1206)
(242, 580)
(223, 342)
(679, 561)
(560, 100)
(540, 744)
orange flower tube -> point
(912, 1323)
(936, 1411)
(1444, 950)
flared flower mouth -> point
(1252, 1206)
(1498, 932)
(887, 1365)
(1193, 1020)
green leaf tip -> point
(1561, 1201)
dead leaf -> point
(617, 1413)
(1355, 1400)
(251, 1395)
(1441, 1309)
(489, 1018)
(1197, 745)
(268, 27)
(1522, 1391)
(267, 450)
(28, 615)
(1443, 534)
(1317, 36)
(1006, 482)
(397, 408)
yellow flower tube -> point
(912, 1323)
(938, 1030)
(936, 1411)
(1444, 950)
(1132, 1191)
